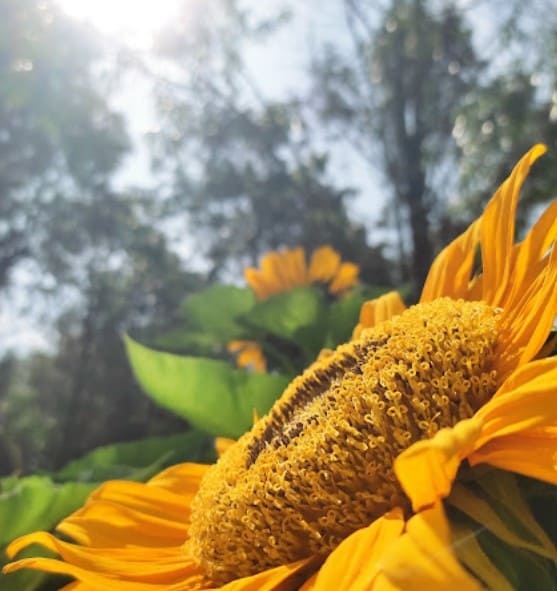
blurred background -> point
(149, 149)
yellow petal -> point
(345, 278)
(427, 469)
(252, 358)
(524, 401)
(531, 325)
(153, 514)
(235, 346)
(383, 308)
(324, 264)
(532, 452)
(131, 563)
(532, 249)
(449, 274)
(422, 559)
(97, 581)
(222, 444)
(255, 279)
(354, 564)
(182, 479)
(109, 525)
(295, 266)
(288, 577)
(271, 268)
(497, 230)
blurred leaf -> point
(211, 320)
(36, 502)
(216, 310)
(184, 339)
(30, 504)
(138, 460)
(342, 318)
(295, 315)
(210, 394)
(542, 497)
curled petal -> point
(427, 469)
(423, 558)
(354, 565)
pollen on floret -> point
(319, 465)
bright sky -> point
(134, 21)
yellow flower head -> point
(282, 271)
(340, 486)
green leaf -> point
(210, 394)
(40, 502)
(297, 315)
(36, 502)
(342, 318)
(30, 504)
(138, 460)
(216, 310)
(211, 319)
(183, 339)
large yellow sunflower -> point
(340, 486)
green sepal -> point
(523, 569)
(496, 505)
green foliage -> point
(36, 503)
(138, 460)
(210, 318)
(297, 315)
(291, 328)
(209, 393)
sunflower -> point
(286, 270)
(282, 271)
(341, 484)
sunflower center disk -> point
(319, 465)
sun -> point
(134, 22)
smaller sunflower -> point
(282, 271)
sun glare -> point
(135, 22)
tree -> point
(241, 166)
(82, 393)
(397, 94)
(57, 133)
(514, 107)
